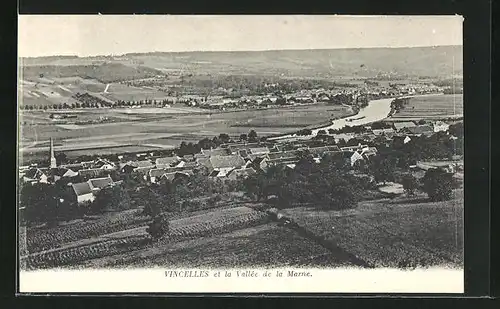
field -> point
(266, 245)
(81, 241)
(146, 129)
(398, 233)
(429, 107)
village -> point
(238, 158)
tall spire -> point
(53, 163)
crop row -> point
(79, 254)
(219, 226)
(47, 239)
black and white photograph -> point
(240, 151)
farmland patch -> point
(265, 245)
(390, 234)
(432, 106)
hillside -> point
(105, 73)
(441, 61)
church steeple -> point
(53, 163)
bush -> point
(438, 184)
(159, 227)
(410, 184)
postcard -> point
(240, 154)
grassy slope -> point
(393, 233)
(105, 73)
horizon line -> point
(237, 51)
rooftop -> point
(81, 188)
(226, 161)
(100, 182)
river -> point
(376, 110)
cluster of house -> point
(228, 162)
(306, 96)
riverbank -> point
(376, 110)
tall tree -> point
(252, 136)
(438, 184)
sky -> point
(89, 35)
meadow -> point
(404, 232)
(428, 107)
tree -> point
(457, 130)
(61, 158)
(252, 136)
(382, 168)
(40, 202)
(438, 184)
(159, 227)
(111, 199)
(243, 137)
(321, 132)
(410, 184)
(304, 132)
(224, 138)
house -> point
(284, 155)
(318, 152)
(143, 171)
(177, 175)
(224, 164)
(35, 175)
(282, 161)
(74, 166)
(167, 161)
(243, 153)
(188, 158)
(240, 173)
(258, 162)
(419, 130)
(57, 173)
(398, 126)
(133, 165)
(440, 126)
(363, 154)
(216, 152)
(355, 157)
(354, 148)
(383, 131)
(200, 156)
(155, 174)
(406, 140)
(259, 150)
(103, 164)
(70, 173)
(83, 192)
(93, 173)
(235, 147)
(100, 183)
